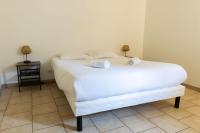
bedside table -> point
(28, 74)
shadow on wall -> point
(0, 79)
(9, 75)
(47, 70)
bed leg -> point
(79, 124)
(177, 102)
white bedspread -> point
(83, 83)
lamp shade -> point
(125, 48)
(26, 49)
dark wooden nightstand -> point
(28, 74)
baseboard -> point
(53, 81)
(192, 87)
(16, 84)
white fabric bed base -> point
(115, 102)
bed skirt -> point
(116, 102)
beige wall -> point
(172, 34)
(55, 26)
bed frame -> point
(84, 108)
(79, 118)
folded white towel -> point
(101, 64)
(134, 61)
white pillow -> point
(74, 56)
(102, 54)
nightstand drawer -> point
(29, 72)
(29, 67)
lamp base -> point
(125, 54)
(27, 61)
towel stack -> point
(134, 61)
(101, 64)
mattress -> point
(83, 83)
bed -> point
(91, 90)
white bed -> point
(91, 90)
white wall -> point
(54, 26)
(172, 34)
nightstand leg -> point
(18, 78)
(177, 102)
(79, 124)
(40, 80)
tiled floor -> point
(47, 111)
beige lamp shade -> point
(125, 48)
(26, 49)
